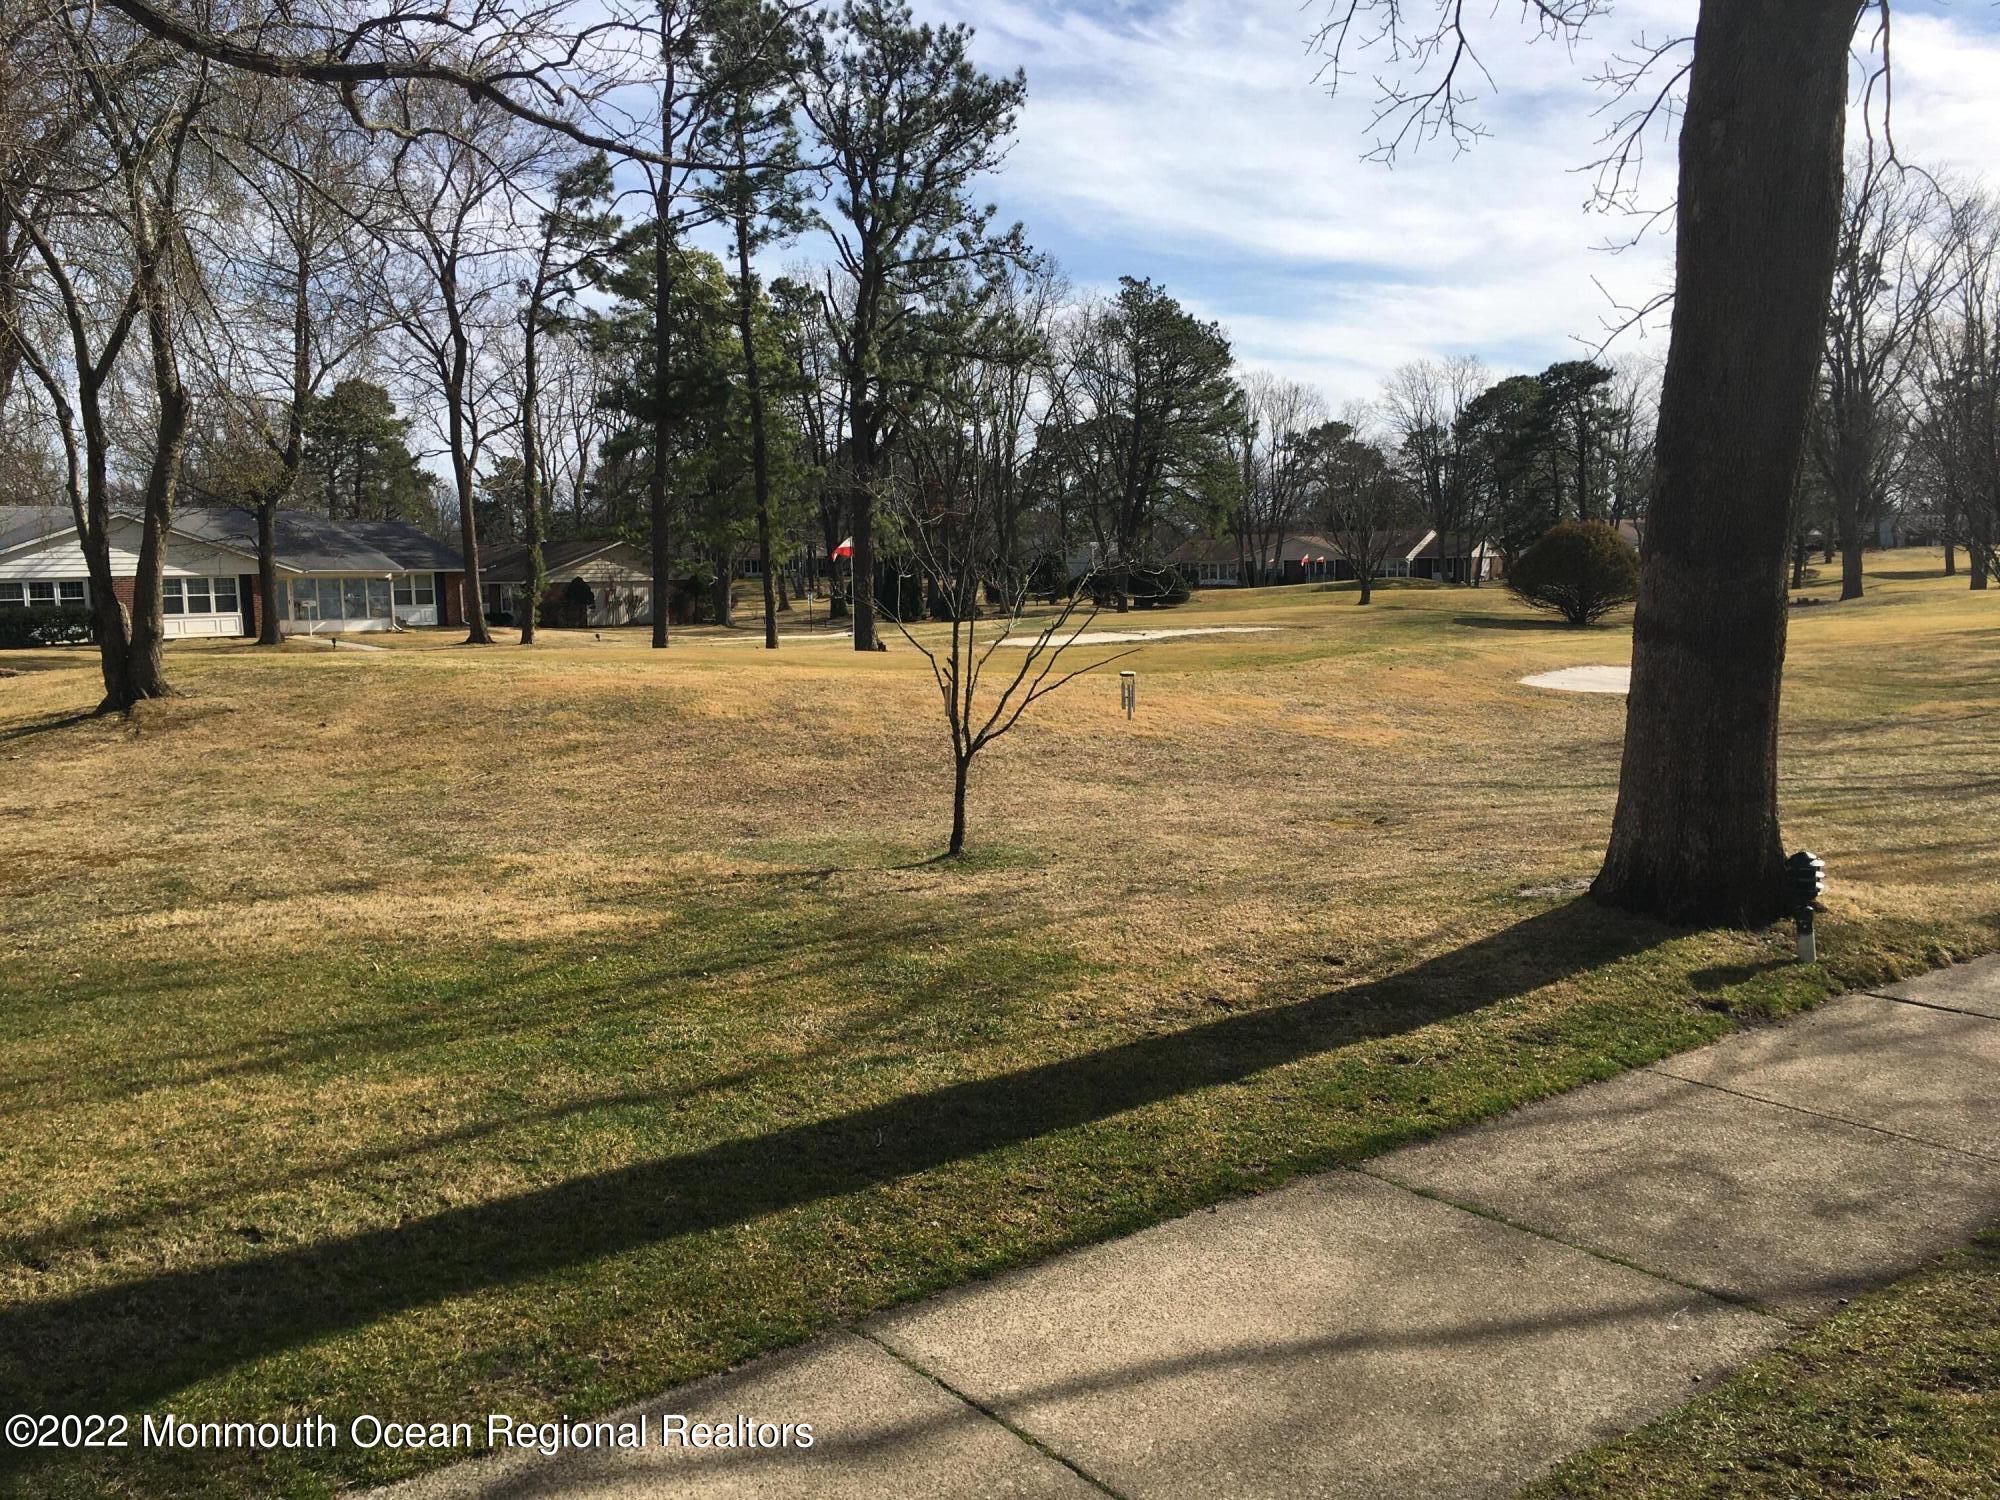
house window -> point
(305, 599)
(197, 596)
(378, 598)
(71, 593)
(421, 590)
(353, 598)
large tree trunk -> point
(663, 234)
(1850, 564)
(861, 571)
(268, 632)
(760, 453)
(145, 666)
(531, 457)
(1696, 836)
(476, 631)
(1950, 560)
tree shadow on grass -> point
(47, 724)
(1551, 623)
(1717, 978)
(122, 1347)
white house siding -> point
(620, 593)
(60, 559)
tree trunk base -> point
(130, 698)
(1677, 896)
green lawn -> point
(439, 1031)
(1898, 1395)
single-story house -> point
(618, 574)
(1209, 562)
(1309, 557)
(1453, 559)
(333, 576)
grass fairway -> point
(438, 1031)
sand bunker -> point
(1119, 637)
(1583, 680)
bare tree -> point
(1957, 449)
(575, 422)
(1424, 405)
(1275, 457)
(108, 234)
(948, 519)
(1889, 273)
(1362, 502)
(575, 235)
(292, 287)
(560, 66)
(450, 223)
(1635, 416)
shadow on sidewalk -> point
(119, 1347)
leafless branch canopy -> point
(1429, 62)
(556, 64)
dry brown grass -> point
(338, 941)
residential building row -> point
(1308, 557)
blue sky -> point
(1186, 140)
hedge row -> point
(69, 625)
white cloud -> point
(1187, 141)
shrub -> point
(69, 625)
(576, 602)
(1582, 570)
(1146, 587)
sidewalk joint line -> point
(990, 1414)
(1818, 1114)
(1950, 1010)
(1480, 1211)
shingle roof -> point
(306, 543)
(30, 523)
(1454, 544)
(509, 564)
(1201, 549)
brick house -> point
(334, 577)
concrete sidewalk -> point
(1450, 1319)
